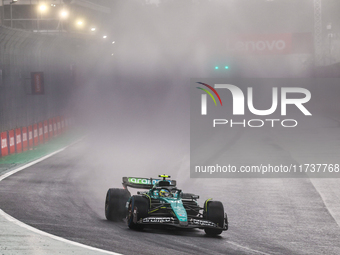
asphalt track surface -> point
(65, 197)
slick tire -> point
(138, 208)
(214, 212)
(115, 203)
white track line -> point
(2, 177)
(29, 164)
(35, 230)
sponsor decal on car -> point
(135, 215)
(158, 220)
(202, 222)
(145, 181)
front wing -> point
(172, 221)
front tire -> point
(214, 212)
(138, 209)
(115, 203)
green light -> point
(226, 67)
(216, 67)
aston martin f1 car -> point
(163, 204)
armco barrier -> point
(4, 144)
(50, 128)
(24, 139)
(41, 132)
(11, 142)
(35, 135)
(55, 131)
(30, 137)
(45, 131)
(18, 140)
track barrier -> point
(24, 139)
(41, 133)
(18, 140)
(35, 135)
(58, 125)
(30, 136)
(55, 132)
(11, 142)
(50, 128)
(4, 144)
(45, 131)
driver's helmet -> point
(164, 193)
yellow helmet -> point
(164, 193)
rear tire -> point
(141, 205)
(214, 212)
(115, 203)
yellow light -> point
(93, 29)
(43, 7)
(64, 14)
(80, 23)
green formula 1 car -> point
(163, 204)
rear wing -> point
(143, 183)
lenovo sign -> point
(262, 44)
